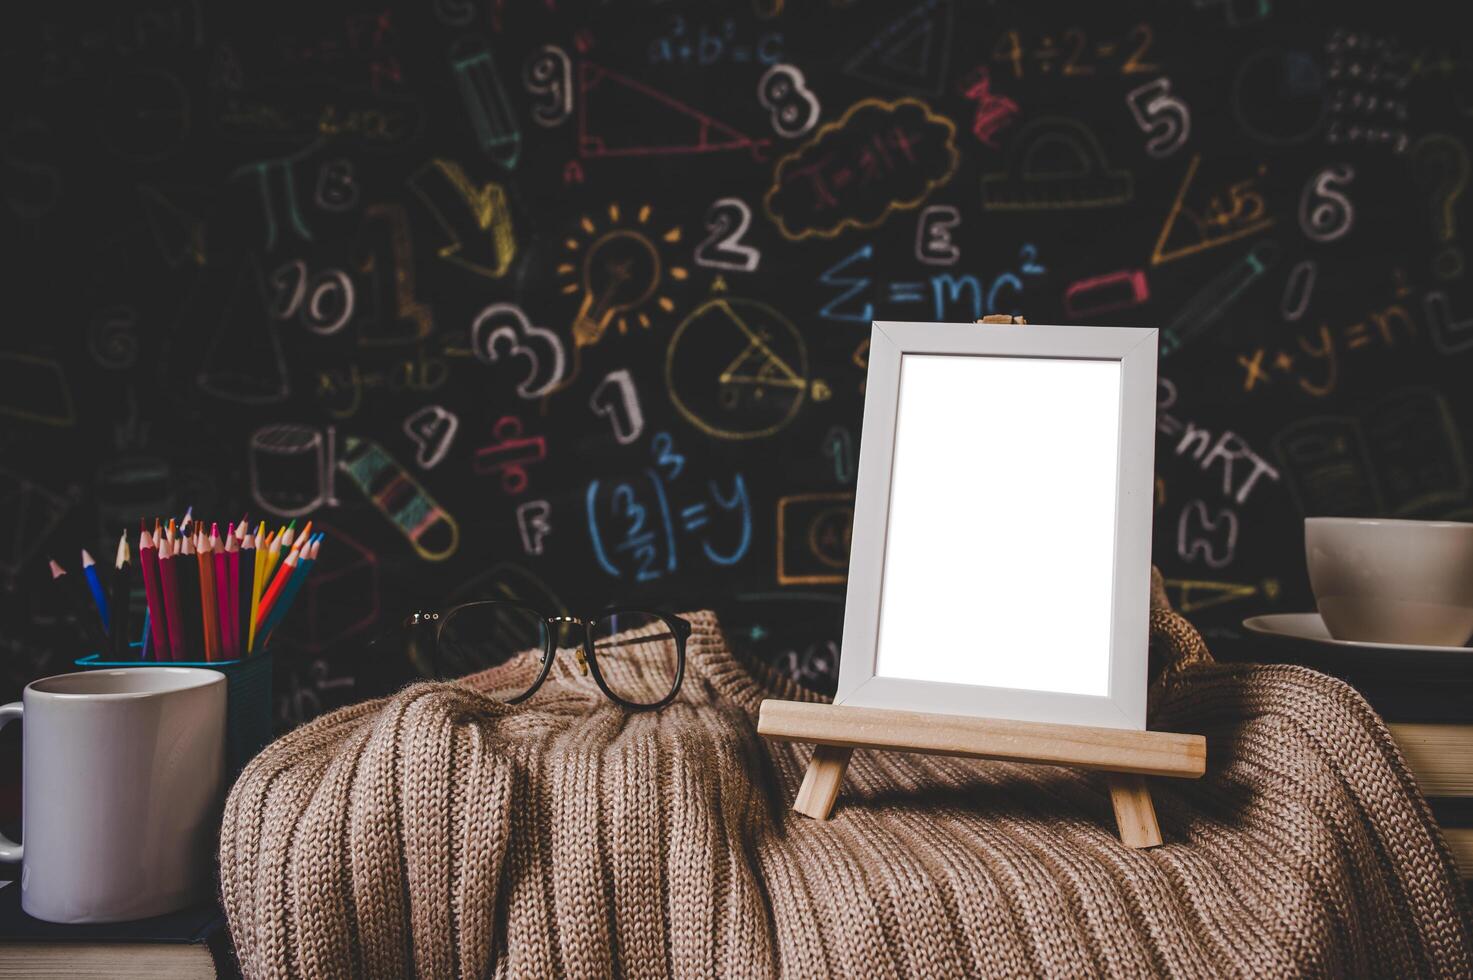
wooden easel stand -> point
(1127, 756)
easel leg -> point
(1135, 815)
(821, 782)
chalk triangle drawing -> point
(757, 364)
(244, 362)
(911, 52)
(621, 117)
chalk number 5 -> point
(1162, 115)
(783, 93)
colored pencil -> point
(272, 559)
(244, 587)
(258, 582)
(189, 599)
(157, 619)
(220, 573)
(81, 609)
(232, 589)
(208, 597)
(121, 604)
(172, 601)
(89, 572)
(308, 558)
(273, 592)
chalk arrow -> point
(477, 220)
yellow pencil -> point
(257, 579)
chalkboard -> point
(570, 301)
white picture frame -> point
(1116, 686)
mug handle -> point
(10, 851)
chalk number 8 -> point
(782, 92)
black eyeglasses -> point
(636, 656)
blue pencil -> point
(293, 586)
(146, 641)
(89, 570)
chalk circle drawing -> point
(1163, 116)
(737, 369)
(728, 220)
(616, 399)
(534, 524)
(430, 530)
(934, 244)
(112, 338)
(503, 329)
(813, 536)
(1278, 96)
(1056, 163)
(783, 92)
(878, 158)
(548, 73)
(292, 469)
(620, 271)
(432, 429)
(244, 362)
(1325, 213)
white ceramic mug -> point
(1392, 581)
(122, 777)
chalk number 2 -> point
(727, 219)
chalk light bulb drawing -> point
(620, 272)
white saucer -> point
(1310, 628)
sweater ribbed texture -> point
(436, 833)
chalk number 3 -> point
(783, 93)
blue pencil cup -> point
(247, 700)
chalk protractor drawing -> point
(1053, 164)
(737, 369)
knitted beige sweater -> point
(435, 833)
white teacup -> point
(1391, 581)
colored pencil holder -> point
(247, 701)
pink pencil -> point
(169, 590)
